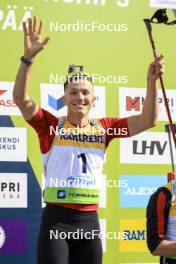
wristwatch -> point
(26, 61)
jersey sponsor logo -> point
(61, 194)
(80, 181)
(7, 105)
(52, 94)
(83, 138)
(13, 144)
(135, 235)
(146, 148)
(131, 101)
(102, 192)
(14, 235)
(83, 195)
(13, 190)
(139, 188)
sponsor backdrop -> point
(110, 39)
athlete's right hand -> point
(33, 41)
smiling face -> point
(79, 98)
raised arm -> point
(33, 44)
(149, 115)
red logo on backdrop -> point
(132, 103)
(2, 91)
(6, 102)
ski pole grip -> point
(171, 176)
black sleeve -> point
(157, 217)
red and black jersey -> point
(157, 217)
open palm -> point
(33, 41)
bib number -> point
(84, 162)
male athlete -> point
(74, 159)
(161, 223)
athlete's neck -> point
(76, 121)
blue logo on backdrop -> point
(139, 188)
(56, 104)
(61, 194)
